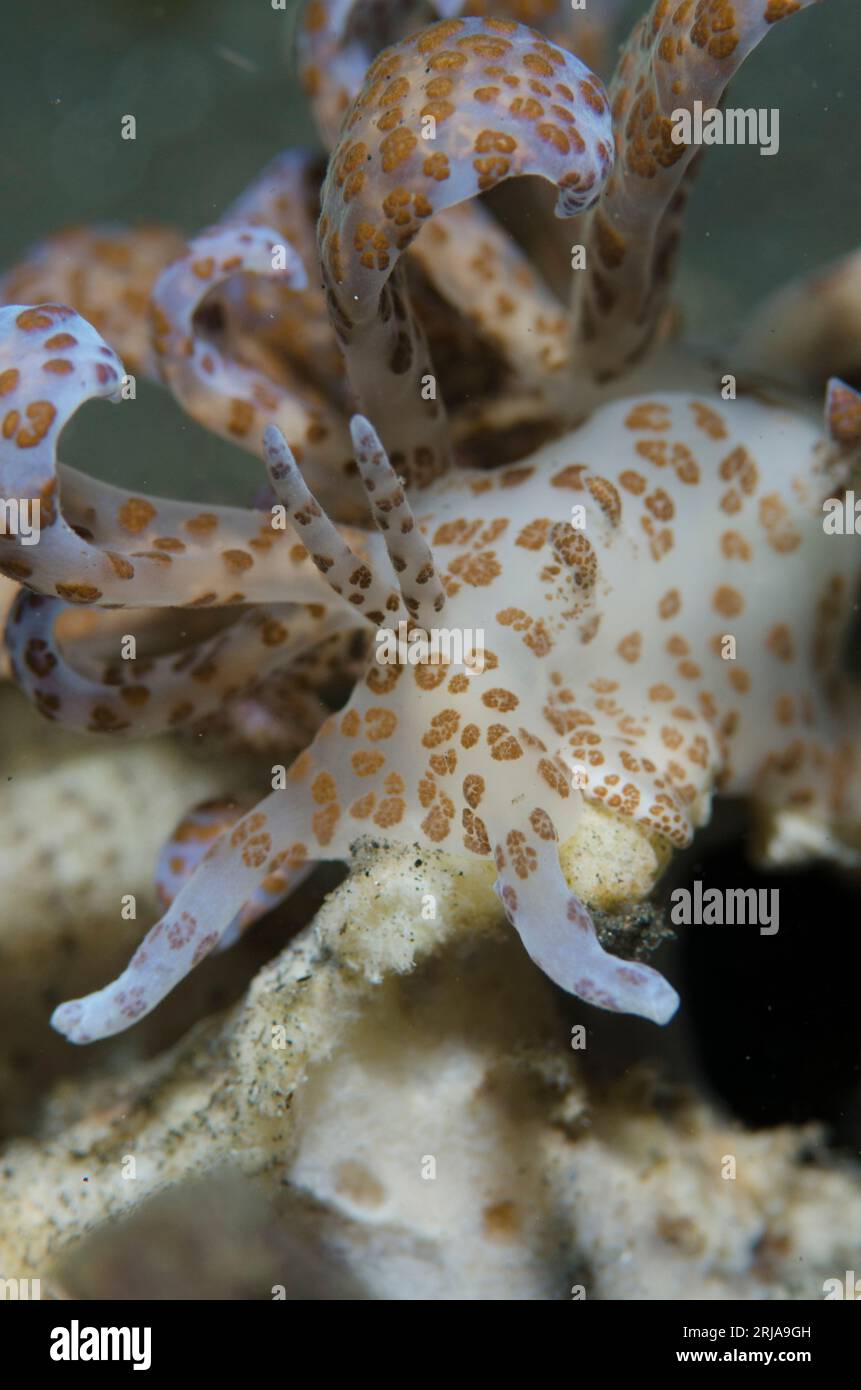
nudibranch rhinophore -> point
(660, 608)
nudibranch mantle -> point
(606, 679)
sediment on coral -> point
(401, 1105)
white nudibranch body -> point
(606, 650)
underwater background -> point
(214, 90)
(213, 87)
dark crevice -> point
(775, 1018)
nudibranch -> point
(660, 608)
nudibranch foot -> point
(233, 869)
(558, 932)
(181, 854)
